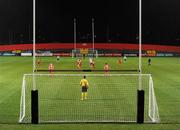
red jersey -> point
(79, 62)
(106, 67)
(51, 67)
(93, 64)
(120, 61)
(38, 62)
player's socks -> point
(86, 94)
(82, 96)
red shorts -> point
(106, 70)
(79, 65)
(51, 71)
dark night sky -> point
(115, 21)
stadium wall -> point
(105, 46)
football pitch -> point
(165, 73)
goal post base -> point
(34, 107)
(140, 106)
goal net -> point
(111, 98)
(84, 52)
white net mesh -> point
(111, 98)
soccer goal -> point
(111, 98)
(84, 52)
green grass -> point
(165, 72)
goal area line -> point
(30, 74)
(93, 122)
(86, 70)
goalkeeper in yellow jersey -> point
(84, 86)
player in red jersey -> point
(93, 64)
(38, 63)
(79, 64)
(119, 61)
(106, 68)
(51, 68)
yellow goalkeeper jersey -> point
(84, 83)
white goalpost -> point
(76, 52)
